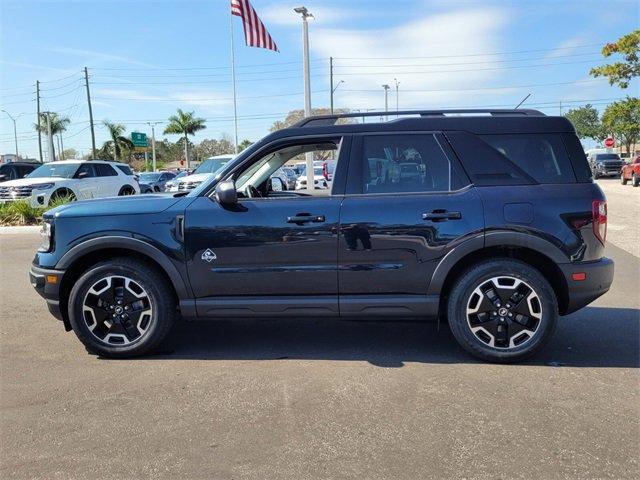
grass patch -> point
(21, 212)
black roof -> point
(473, 121)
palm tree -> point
(118, 141)
(57, 124)
(184, 123)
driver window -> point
(267, 177)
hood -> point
(198, 177)
(26, 182)
(126, 205)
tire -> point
(126, 190)
(635, 180)
(595, 175)
(489, 336)
(60, 195)
(143, 319)
(623, 180)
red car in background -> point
(631, 171)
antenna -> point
(523, 100)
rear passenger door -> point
(86, 182)
(407, 204)
(108, 181)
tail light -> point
(600, 220)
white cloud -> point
(367, 59)
(97, 57)
(568, 47)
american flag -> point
(255, 33)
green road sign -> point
(139, 139)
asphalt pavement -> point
(309, 398)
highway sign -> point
(139, 139)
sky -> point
(147, 58)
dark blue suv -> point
(486, 219)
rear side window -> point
(104, 170)
(124, 169)
(406, 163)
(542, 156)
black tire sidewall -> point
(472, 278)
(162, 304)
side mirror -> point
(276, 185)
(226, 193)
(4, 177)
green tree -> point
(57, 123)
(185, 123)
(118, 142)
(211, 147)
(622, 120)
(622, 72)
(586, 122)
(244, 144)
(69, 153)
(294, 116)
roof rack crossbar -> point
(332, 119)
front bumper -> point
(47, 284)
(598, 277)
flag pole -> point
(233, 81)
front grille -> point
(188, 185)
(15, 193)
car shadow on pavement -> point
(593, 337)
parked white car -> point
(79, 179)
(205, 170)
(318, 179)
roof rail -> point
(320, 120)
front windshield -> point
(58, 170)
(149, 176)
(608, 156)
(212, 165)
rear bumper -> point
(42, 280)
(598, 279)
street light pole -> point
(52, 153)
(15, 131)
(386, 98)
(397, 88)
(153, 143)
(305, 14)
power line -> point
(206, 68)
(485, 88)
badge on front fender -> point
(209, 255)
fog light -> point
(40, 199)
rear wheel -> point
(126, 190)
(502, 310)
(121, 308)
(636, 180)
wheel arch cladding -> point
(549, 269)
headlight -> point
(44, 186)
(46, 237)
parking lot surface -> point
(311, 398)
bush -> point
(22, 213)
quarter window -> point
(406, 163)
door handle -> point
(305, 218)
(441, 216)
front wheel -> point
(502, 310)
(623, 180)
(121, 308)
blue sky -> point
(147, 58)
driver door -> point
(273, 255)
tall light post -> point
(52, 153)
(153, 143)
(15, 131)
(306, 15)
(386, 97)
(397, 88)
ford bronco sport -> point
(496, 227)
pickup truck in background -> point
(631, 171)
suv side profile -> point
(496, 227)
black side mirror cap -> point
(226, 193)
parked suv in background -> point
(631, 171)
(151, 182)
(15, 170)
(499, 229)
(205, 171)
(76, 179)
(605, 164)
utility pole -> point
(333, 90)
(52, 153)
(15, 131)
(93, 133)
(38, 122)
(61, 146)
(307, 86)
(331, 83)
(386, 97)
(60, 156)
(153, 143)
(560, 107)
(397, 88)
